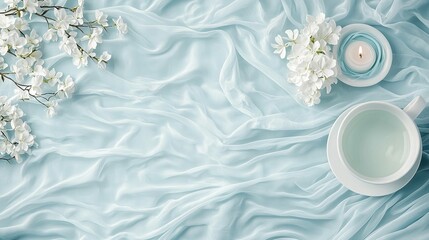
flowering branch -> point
(311, 65)
(22, 65)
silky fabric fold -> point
(193, 132)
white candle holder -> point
(387, 55)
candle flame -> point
(360, 51)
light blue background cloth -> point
(193, 132)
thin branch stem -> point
(26, 88)
(57, 7)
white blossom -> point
(101, 18)
(51, 34)
(69, 45)
(93, 38)
(31, 5)
(21, 24)
(15, 41)
(52, 108)
(80, 59)
(24, 67)
(292, 34)
(21, 68)
(52, 77)
(310, 62)
(66, 88)
(33, 39)
(63, 21)
(36, 83)
(121, 26)
(6, 21)
(103, 59)
(78, 15)
(280, 46)
(22, 94)
(16, 137)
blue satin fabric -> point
(379, 55)
(193, 132)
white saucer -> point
(346, 177)
(387, 51)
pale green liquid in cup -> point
(376, 143)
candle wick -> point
(360, 51)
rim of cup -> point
(409, 124)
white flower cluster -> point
(311, 64)
(16, 137)
(22, 65)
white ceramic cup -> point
(379, 142)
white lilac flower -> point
(328, 82)
(280, 47)
(318, 19)
(335, 33)
(66, 88)
(310, 62)
(101, 18)
(121, 25)
(292, 34)
(103, 59)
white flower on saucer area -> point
(312, 67)
(79, 36)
